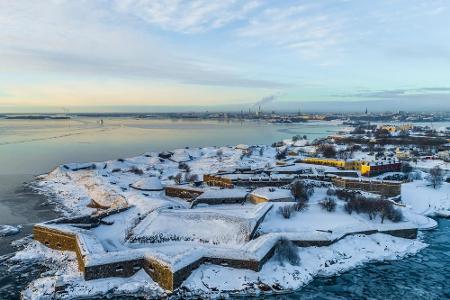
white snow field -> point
(167, 227)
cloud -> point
(307, 29)
(81, 38)
(413, 93)
(179, 70)
(188, 16)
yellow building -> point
(405, 127)
(337, 163)
(402, 154)
(353, 164)
(390, 128)
(394, 128)
(324, 161)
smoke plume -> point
(265, 100)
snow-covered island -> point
(236, 220)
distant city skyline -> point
(224, 55)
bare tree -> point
(436, 177)
(178, 178)
(329, 204)
(301, 191)
(327, 150)
(286, 211)
(286, 251)
(281, 153)
(296, 138)
(261, 151)
(406, 168)
(219, 154)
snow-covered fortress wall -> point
(385, 188)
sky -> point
(96, 55)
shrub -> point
(344, 154)
(331, 192)
(415, 176)
(286, 211)
(301, 191)
(184, 166)
(384, 208)
(395, 215)
(296, 138)
(136, 170)
(261, 151)
(249, 152)
(219, 154)
(329, 204)
(406, 167)
(120, 160)
(286, 251)
(278, 144)
(356, 148)
(436, 177)
(178, 178)
(281, 154)
(191, 177)
(327, 150)
(300, 206)
(116, 170)
(346, 195)
(358, 130)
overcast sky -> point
(65, 54)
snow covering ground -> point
(74, 187)
(217, 226)
(273, 194)
(315, 261)
(427, 164)
(426, 200)
(216, 281)
(63, 271)
(314, 218)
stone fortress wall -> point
(160, 271)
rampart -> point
(216, 180)
(182, 191)
(382, 187)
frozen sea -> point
(32, 147)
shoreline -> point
(79, 168)
(48, 199)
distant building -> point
(389, 128)
(395, 128)
(270, 194)
(380, 167)
(351, 164)
(366, 168)
(402, 154)
(444, 155)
